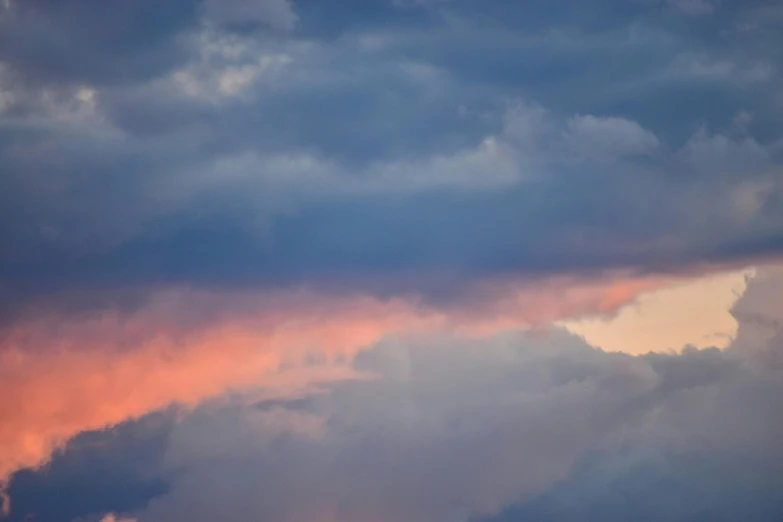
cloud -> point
(112, 518)
(760, 314)
(718, 154)
(89, 374)
(277, 13)
(701, 67)
(201, 198)
(693, 7)
(440, 424)
(457, 429)
(96, 473)
(443, 423)
(364, 147)
(49, 42)
(527, 199)
(609, 138)
(74, 373)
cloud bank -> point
(334, 237)
(516, 426)
(366, 150)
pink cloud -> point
(62, 376)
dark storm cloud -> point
(334, 245)
(83, 42)
(171, 144)
(96, 472)
(49, 42)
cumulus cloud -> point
(454, 429)
(70, 374)
(443, 426)
(469, 428)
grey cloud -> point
(455, 430)
(694, 7)
(521, 426)
(447, 432)
(652, 485)
(277, 13)
(760, 317)
(53, 42)
(275, 232)
(49, 43)
(95, 473)
(711, 452)
(374, 146)
(387, 141)
(609, 138)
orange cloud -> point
(62, 376)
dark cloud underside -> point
(162, 144)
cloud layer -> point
(333, 238)
(454, 430)
(516, 426)
(72, 374)
(390, 149)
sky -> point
(391, 260)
